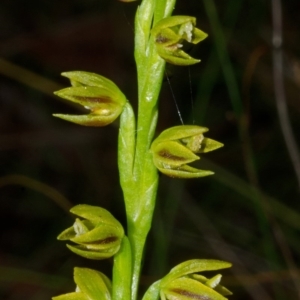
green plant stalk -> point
(98, 235)
(138, 175)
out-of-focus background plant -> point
(248, 213)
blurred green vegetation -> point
(247, 213)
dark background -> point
(248, 213)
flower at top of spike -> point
(169, 33)
(96, 93)
(177, 146)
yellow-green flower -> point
(182, 282)
(95, 93)
(169, 34)
(176, 147)
(98, 235)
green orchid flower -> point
(169, 33)
(98, 235)
(97, 94)
(183, 284)
(174, 148)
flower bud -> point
(175, 147)
(98, 235)
(96, 93)
(182, 284)
(169, 33)
(91, 285)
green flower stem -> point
(122, 268)
(138, 175)
(150, 69)
(121, 283)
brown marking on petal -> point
(94, 99)
(161, 39)
(190, 294)
(108, 240)
(166, 154)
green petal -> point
(180, 132)
(90, 79)
(95, 214)
(172, 22)
(91, 283)
(212, 283)
(189, 289)
(172, 154)
(101, 236)
(194, 266)
(97, 255)
(91, 97)
(186, 172)
(198, 36)
(223, 290)
(208, 145)
(67, 234)
(176, 57)
(153, 292)
(93, 120)
(167, 37)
